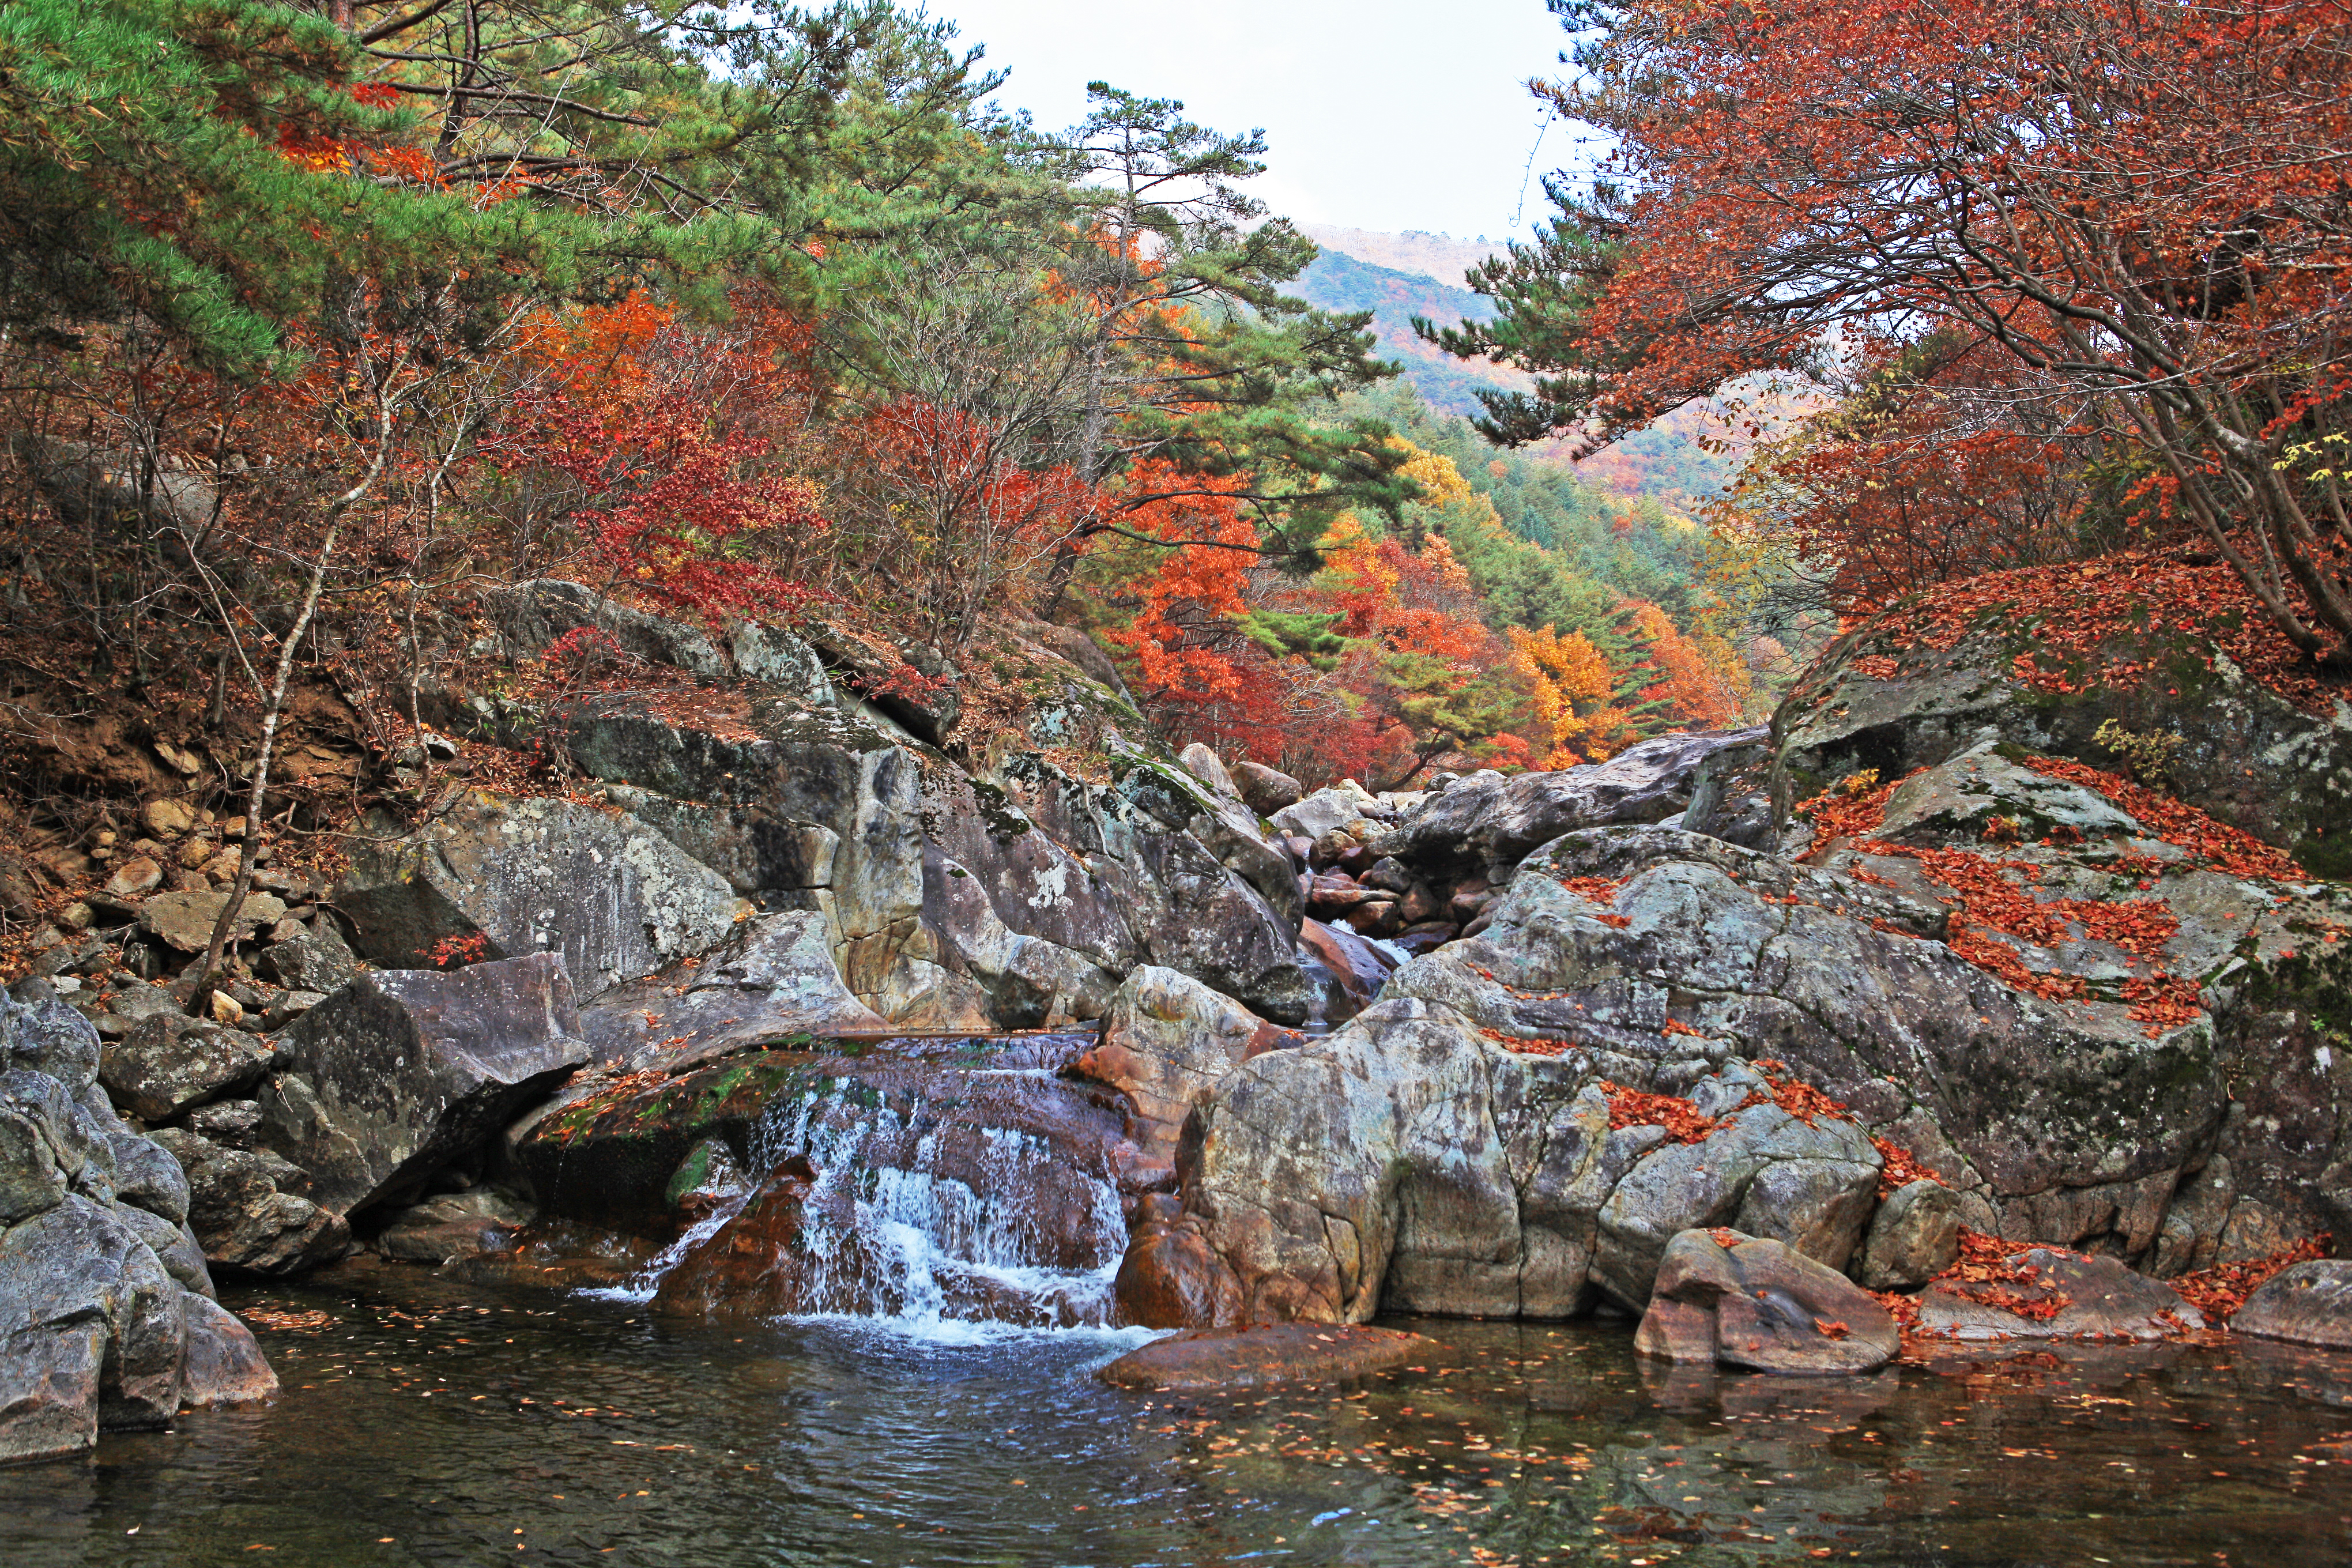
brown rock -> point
(2091, 1295)
(167, 818)
(1760, 1305)
(1334, 893)
(1270, 1353)
(134, 879)
(1171, 1278)
(223, 1365)
(1265, 790)
(1166, 1041)
(1418, 905)
(1914, 1236)
(1359, 968)
(1376, 918)
(196, 852)
(186, 920)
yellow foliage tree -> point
(1569, 685)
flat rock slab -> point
(2093, 1296)
(2308, 1304)
(186, 920)
(1269, 1352)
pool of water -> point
(425, 1422)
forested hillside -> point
(760, 317)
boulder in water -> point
(1268, 1353)
(105, 1320)
(2307, 1303)
(1743, 1302)
(2044, 1293)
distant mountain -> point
(1680, 460)
(1340, 280)
(1440, 257)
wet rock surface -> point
(1268, 1353)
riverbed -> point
(427, 1422)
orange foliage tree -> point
(673, 444)
(2139, 206)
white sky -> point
(1380, 114)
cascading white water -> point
(890, 1239)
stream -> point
(426, 1421)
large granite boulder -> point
(403, 1071)
(1410, 1163)
(169, 1063)
(248, 1206)
(1740, 1302)
(1488, 823)
(772, 979)
(613, 895)
(954, 894)
(1167, 1042)
(105, 1316)
(1884, 698)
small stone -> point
(227, 1009)
(196, 852)
(183, 880)
(104, 839)
(286, 929)
(167, 818)
(135, 878)
(76, 917)
(232, 828)
(184, 762)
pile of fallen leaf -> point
(1683, 1122)
(2225, 848)
(2078, 612)
(1900, 1167)
(2218, 1292)
(1985, 1273)
(1995, 895)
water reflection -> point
(434, 1423)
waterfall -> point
(948, 1203)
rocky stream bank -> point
(1913, 1014)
